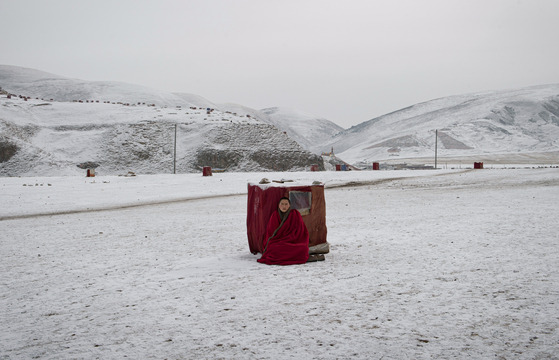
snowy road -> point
(429, 265)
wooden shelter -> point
(263, 200)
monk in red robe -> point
(287, 237)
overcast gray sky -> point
(348, 61)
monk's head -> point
(284, 204)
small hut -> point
(263, 200)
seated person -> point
(287, 237)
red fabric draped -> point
(290, 244)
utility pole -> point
(436, 140)
(175, 153)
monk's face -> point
(284, 205)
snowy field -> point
(439, 264)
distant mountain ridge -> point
(513, 122)
(58, 126)
(35, 83)
(508, 125)
(308, 130)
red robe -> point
(290, 243)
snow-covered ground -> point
(423, 265)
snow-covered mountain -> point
(308, 130)
(58, 123)
(511, 124)
(38, 84)
(54, 125)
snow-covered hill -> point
(59, 123)
(54, 125)
(506, 124)
(308, 130)
(39, 84)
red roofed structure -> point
(263, 200)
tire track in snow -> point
(174, 201)
(382, 181)
(115, 207)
